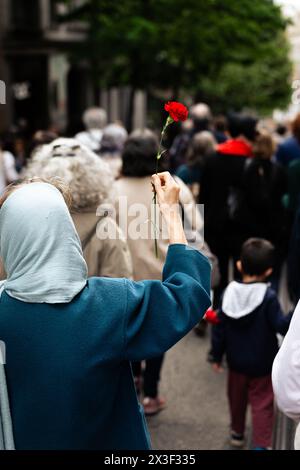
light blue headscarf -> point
(43, 260)
(40, 247)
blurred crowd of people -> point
(246, 172)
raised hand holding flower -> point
(177, 112)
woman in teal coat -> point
(69, 340)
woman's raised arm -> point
(158, 313)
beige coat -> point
(138, 190)
(104, 257)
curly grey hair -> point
(89, 177)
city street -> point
(125, 122)
(197, 414)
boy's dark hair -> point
(257, 256)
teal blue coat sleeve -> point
(159, 313)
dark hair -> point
(241, 124)
(296, 127)
(281, 129)
(257, 256)
(221, 123)
(139, 154)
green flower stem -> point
(158, 157)
(155, 222)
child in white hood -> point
(249, 318)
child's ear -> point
(239, 266)
(268, 272)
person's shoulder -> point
(101, 282)
(105, 290)
(270, 295)
(102, 306)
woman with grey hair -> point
(91, 182)
(94, 120)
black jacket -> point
(260, 212)
(250, 317)
(222, 174)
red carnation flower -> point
(211, 316)
(177, 111)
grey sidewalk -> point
(197, 413)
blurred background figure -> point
(139, 163)
(201, 116)
(201, 147)
(288, 155)
(94, 119)
(112, 144)
(200, 120)
(291, 201)
(293, 260)
(289, 149)
(281, 133)
(260, 212)
(8, 172)
(20, 153)
(220, 191)
(220, 129)
(91, 184)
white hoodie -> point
(286, 373)
(241, 299)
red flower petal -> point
(211, 316)
(177, 111)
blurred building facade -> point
(43, 88)
(34, 64)
(291, 10)
(294, 38)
